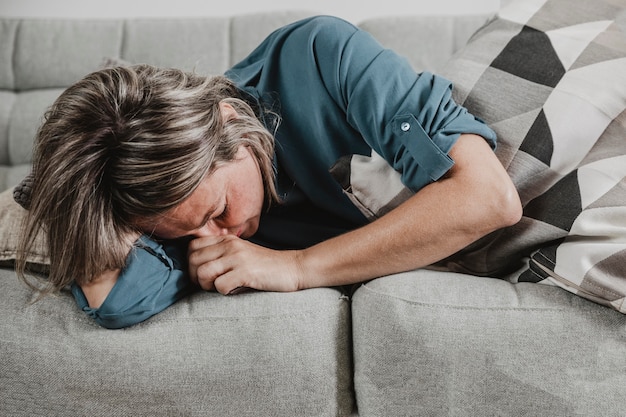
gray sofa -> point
(422, 343)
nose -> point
(211, 229)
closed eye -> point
(223, 214)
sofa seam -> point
(18, 28)
(82, 318)
(308, 312)
(123, 42)
(463, 307)
(189, 319)
(229, 41)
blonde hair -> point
(124, 144)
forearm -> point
(390, 245)
(97, 290)
(476, 198)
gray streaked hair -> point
(127, 144)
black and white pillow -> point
(549, 76)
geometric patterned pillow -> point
(549, 76)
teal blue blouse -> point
(338, 92)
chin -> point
(249, 231)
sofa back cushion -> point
(39, 58)
(427, 43)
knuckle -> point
(194, 245)
(205, 272)
(205, 278)
(193, 258)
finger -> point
(205, 241)
(202, 255)
(230, 283)
(206, 254)
(209, 272)
(239, 290)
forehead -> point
(193, 212)
(203, 201)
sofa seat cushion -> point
(442, 343)
(210, 355)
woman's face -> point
(227, 201)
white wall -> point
(353, 10)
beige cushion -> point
(11, 216)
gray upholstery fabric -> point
(247, 28)
(255, 354)
(44, 61)
(431, 343)
(12, 175)
(201, 45)
(427, 44)
(425, 343)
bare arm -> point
(475, 198)
(97, 290)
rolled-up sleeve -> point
(340, 93)
(153, 279)
(409, 118)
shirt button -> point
(405, 126)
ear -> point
(228, 111)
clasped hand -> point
(227, 263)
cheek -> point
(249, 204)
(254, 190)
(250, 193)
(258, 194)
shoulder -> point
(313, 49)
(301, 36)
(323, 23)
(316, 30)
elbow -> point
(506, 206)
(492, 200)
(495, 208)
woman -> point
(152, 182)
